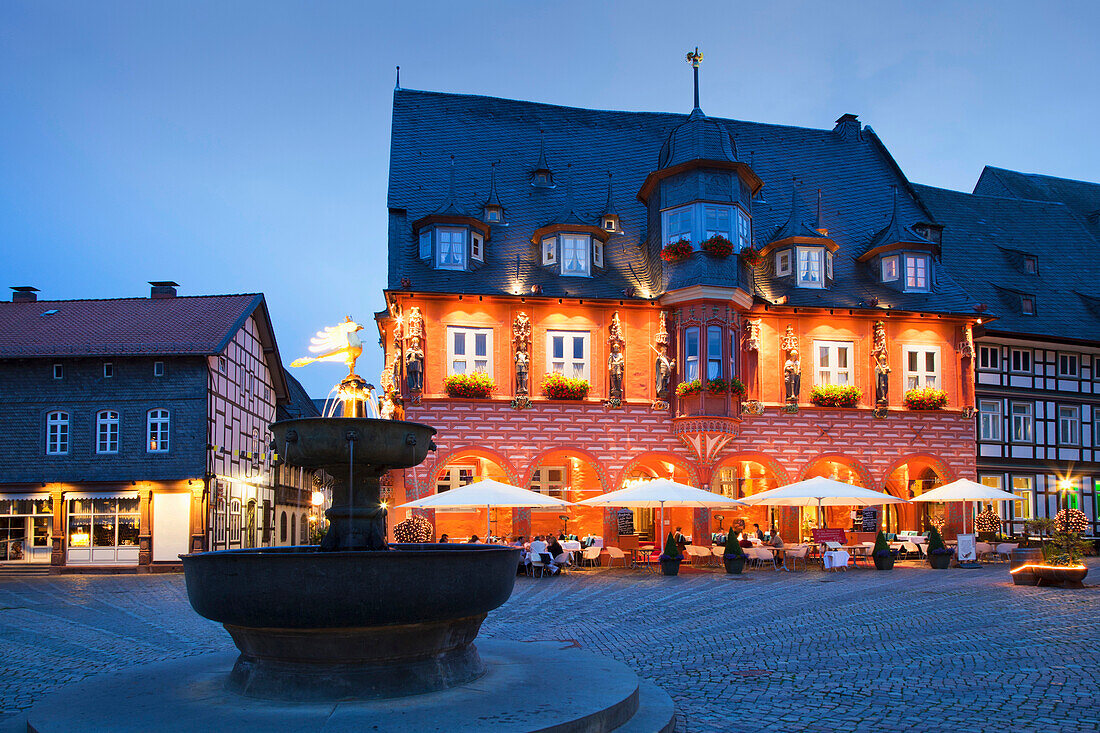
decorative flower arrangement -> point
(751, 257)
(1076, 521)
(926, 398)
(718, 386)
(476, 385)
(988, 521)
(676, 251)
(413, 529)
(717, 246)
(684, 389)
(561, 387)
(738, 388)
(835, 395)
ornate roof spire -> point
(450, 205)
(895, 233)
(609, 206)
(542, 175)
(695, 58)
(794, 226)
(494, 199)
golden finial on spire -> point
(694, 57)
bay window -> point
(469, 350)
(717, 220)
(890, 268)
(810, 273)
(425, 244)
(833, 362)
(677, 224)
(574, 254)
(452, 249)
(922, 367)
(783, 262)
(691, 354)
(597, 253)
(744, 230)
(567, 353)
(916, 273)
(549, 250)
(714, 352)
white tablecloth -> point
(836, 559)
(570, 545)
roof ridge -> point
(1014, 199)
(1042, 175)
(137, 298)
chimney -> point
(24, 294)
(163, 289)
(848, 127)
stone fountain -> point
(344, 630)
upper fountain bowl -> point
(315, 442)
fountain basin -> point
(315, 626)
(320, 442)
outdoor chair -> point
(717, 552)
(1004, 550)
(534, 562)
(910, 549)
(590, 556)
(796, 553)
(613, 554)
(699, 555)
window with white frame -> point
(677, 224)
(783, 263)
(1020, 360)
(454, 477)
(597, 253)
(1069, 425)
(451, 253)
(718, 222)
(477, 246)
(989, 357)
(549, 250)
(810, 273)
(714, 352)
(1021, 422)
(890, 269)
(574, 254)
(567, 353)
(828, 264)
(744, 229)
(425, 244)
(157, 431)
(549, 480)
(106, 429)
(922, 367)
(833, 362)
(691, 354)
(916, 272)
(57, 433)
(989, 420)
(1022, 507)
(469, 350)
(1067, 365)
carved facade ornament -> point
(752, 334)
(880, 352)
(521, 341)
(663, 367)
(966, 346)
(616, 362)
(792, 370)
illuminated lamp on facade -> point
(318, 498)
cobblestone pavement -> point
(911, 650)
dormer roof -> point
(896, 235)
(699, 138)
(795, 230)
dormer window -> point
(611, 224)
(574, 255)
(783, 263)
(828, 264)
(1031, 265)
(1027, 305)
(810, 267)
(890, 271)
(678, 224)
(717, 222)
(492, 214)
(477, 247)
(451, 254)
(744, 229)
(426, 244)
(549, 250)
(917, 272)
(597, 253)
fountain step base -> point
(537, 686)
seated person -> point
(444, 538)
(758, 532)
(537, 548)
(744, 541)
(473, 540)
(777, 541)
(559, 557)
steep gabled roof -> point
(983, 240)
(1082, 197)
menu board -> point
(870, 519)
(828, 535)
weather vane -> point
(694, 57)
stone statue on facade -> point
(792, 369)
(521, 340)
(751, 339)
(414, 366)
(663, 367)
(616, 362)
(881, 354)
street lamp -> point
(1065, 487)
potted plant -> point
(751, 257)
(738, 388)
(717, 246)
(882, 554)
(925, 398)
(676, 251)
(478, 385)
(835, 395)
(939, 554)
(671, 557)
(1062, 556)
(561, 387)
(686, 389)
(734, 557)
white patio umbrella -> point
(820, 491)
(661, 492)
(964, 490)
(485, 493)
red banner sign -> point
(828, 535)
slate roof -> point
(184, 325)
(298, 402)
(855, 176)
(1082, 197)
(984, 242)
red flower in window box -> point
(751, 257)
(685, 389)
(478, 385)
(835, 395)
(676, 251)
(717, 246)
(925, 398)
(560, 387)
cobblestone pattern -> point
(912, 650)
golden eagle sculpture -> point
(335, 343)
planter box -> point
(940, 562)
(734, 564)
(884, 563)
(670, 566)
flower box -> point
(676, 251)
(835, 395)
(925, 398)
(738, 388)
(717, 246)
(560, 387)
(718, 386)
(686, 389)
(751, 257)
(478, 385)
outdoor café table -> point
(832, 559)
(858, 552)
(781, 552)
(571, 546)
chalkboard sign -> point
(870, 519)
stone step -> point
(656, 712)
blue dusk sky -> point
(243, 146)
